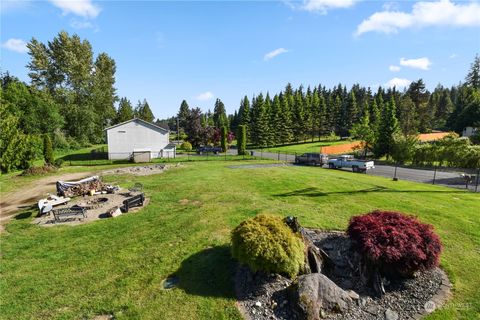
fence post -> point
(278, 155)
(434, 174)
(476, 184)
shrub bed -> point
(395, 242)
(266, 243)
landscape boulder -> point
(315, 294)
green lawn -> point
(116, 266)
(305, 147)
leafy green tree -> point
(47, 150)
(125, 111)
(194, 127)
(403, 147)
(103, 92)
(363, 131)
(388, 128)
(242, 139)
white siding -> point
(135, 135)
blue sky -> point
(168, 51)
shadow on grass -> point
(315, 192)
(208, 273)
(23, 215)
(85, 156)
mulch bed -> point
(265, 296)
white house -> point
(139, 140)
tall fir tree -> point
(125, 111)
(183, 114)
(473, 77)
(219, 115)
(388, 129)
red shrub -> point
(395, 242)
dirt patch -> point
(97, 207)
(26, 196)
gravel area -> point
(141, 170)
(262, 296)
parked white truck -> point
(347, 161)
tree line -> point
(299, 114)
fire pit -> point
(94, 203)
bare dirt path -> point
(29, 194)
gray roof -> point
(146, 123)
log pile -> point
(84, 188)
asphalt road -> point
(451, 178)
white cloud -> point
(398, 83)
(453, 56)
(322, 6)
(394, 68)
(420, 63)
(17, 45)
(274, 53)
(424, 14)
(83, 8)
(205, 96)
(81, 24)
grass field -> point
(116, 266)
(305, 147)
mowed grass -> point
(116, 266)
(306, 147)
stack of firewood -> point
(84, 188)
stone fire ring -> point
(266, 296)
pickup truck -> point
(312, 159)
(208, 149)
(347, 161)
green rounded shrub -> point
(266, 243)
(187, 146)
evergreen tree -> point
(351, 116)
(144, 112)
(183, 114)
(223, 139)
(125, 111)
(275, 121)
(242, 139)
(388, 128)
(47, 150)
(408, 118)
(260, 123)
(219, 114)
(298, 116)
(473, 77)
(244, 115)
(285, 132)
(322, 117)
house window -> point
(122, 131)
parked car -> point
(312, 159)
(208, 149)
(347, 161)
